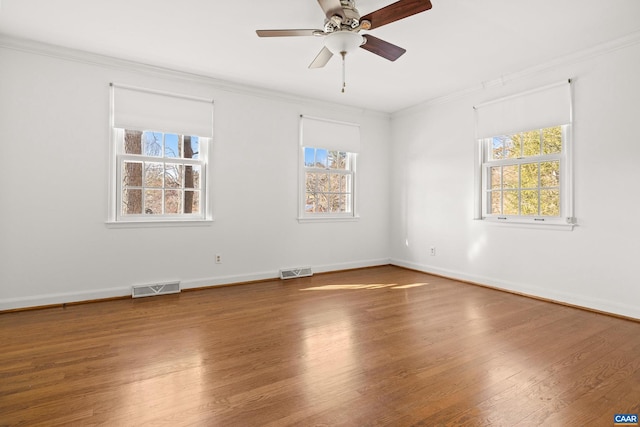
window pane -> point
(131, 202)
(132, 142)
(550, 174)
(510, 176)
(172, 145)
(335, 181)
(153, 202)
(529, 202)
(191, 147)
(132, 174)
(333, 159)
(342, 198)
(310, 182)
(510, 202)
(323, 182)
(496, 202)
(192, 176)
(173, 201)
(153, 173)
(512, 146)
(552, 140)
(550, 202)
(334, 203)
(496, 180)
(321, 158)
(191, 202)
(152, 142)
(346, 180)
(338, 160)
(497, 148)
(195, 146)
(173, 175)
(309, 157)
(322, 203)
(531, 143)
(529, 175)
(310, 202)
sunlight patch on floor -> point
(364, 286)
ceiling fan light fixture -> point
(343, 41)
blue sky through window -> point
(152, 143)
(309, 156)
(171, 146)
(321, 157)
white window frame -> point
(303, 215)
(566, 220)
(331, 135)
(122, 157)
(488, 163)
(117, 157)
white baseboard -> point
(606, 306)
(62, 298)
(351, 265)
(98, 294)
(267, 275)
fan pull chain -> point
(344, 79)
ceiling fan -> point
(343, 23)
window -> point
(521, 174)
(160, 156)
(328, 152)
(524, 162)
(328, 177)
(161, 174)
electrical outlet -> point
(218, 259)
(432, 251)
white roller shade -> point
(329, 134)
(144, 109)
(536, 109)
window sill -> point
(306, 219)
(159, 223)
(520, 223)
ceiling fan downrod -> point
(344, 79)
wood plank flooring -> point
(379, 346)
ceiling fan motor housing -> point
(347, 19)
(351, 17)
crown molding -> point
(583, 55)
(105, 61)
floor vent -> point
(292, 273)
(155, 289)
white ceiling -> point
(457, 45)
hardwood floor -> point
(379, 346)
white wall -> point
(432, 192)
(54, 244)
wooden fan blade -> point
(286, 33)
(396, 11)
(331, 8)
(321, 60)
(382, 48)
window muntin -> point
(522, 174)
(328, 183)
(160, 176)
